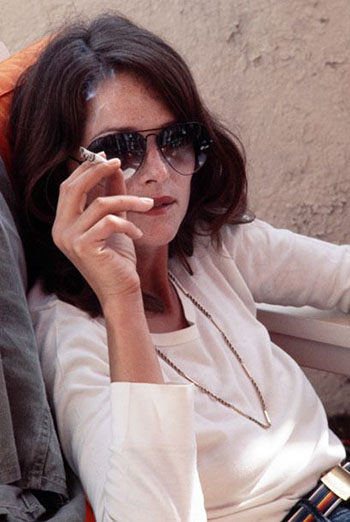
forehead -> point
(124, 101)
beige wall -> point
(277, 72)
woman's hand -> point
(96, 236)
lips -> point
(163, 201)
(162, 206)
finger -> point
(95, 238)
(83, 164)
(94, 229)
(117, 205)
(74, 190)
(117, 183)
(100, 208)
(90, 173)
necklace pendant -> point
(267, 418)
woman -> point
(171, 401)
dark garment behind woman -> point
(33, 478)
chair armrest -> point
(315, 338)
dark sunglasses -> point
(183, 146)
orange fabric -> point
(89, 514)
(10, 70)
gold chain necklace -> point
(235, 353)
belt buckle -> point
(338, 481)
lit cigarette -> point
(87, 155)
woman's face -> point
(124, 102)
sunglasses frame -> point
(204, 145)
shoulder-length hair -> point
(47, 120)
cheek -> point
(131, 187)
(186, 190)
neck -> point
(152, 268)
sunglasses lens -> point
(129, 147)
(184, 146)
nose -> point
(154, 168)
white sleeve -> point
(132, 444)
(282, 267)
(153, 454)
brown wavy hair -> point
(47, 120)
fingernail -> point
(114, 160)
(139, 233)
(148, 200)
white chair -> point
(317, 339)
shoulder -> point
(65, 334)
(54, 309)
(236, 241)
(250, 233)
(235, 237)
(59, 320)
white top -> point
(159, 453)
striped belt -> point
(333, 488)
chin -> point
(155, 239)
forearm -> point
(153, 455)
(132, 356)
(290, 269)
